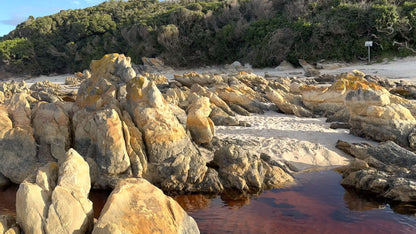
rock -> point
(47, 91)
(53, 138)
(220, 118)
(329, 100)
(238, 93)
(8, 225)
(241, 171)
(73, 81)
(136, 206)
(52, 202)
(17, 144)
(199, 124)
(7, 89)
(153, 65)
(99, 135)
(4, 182)
(158, 79)
(288, 103)
(239, 110)
(385, 169)
(191, 78)
(285, 66)
(135, 146)
(213, 98)
(337, 125)
(309, 69)
(372, 116)
(174, 162)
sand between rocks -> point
(306, 143)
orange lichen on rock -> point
(353, 81)
(103, 67)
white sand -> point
(304, 142)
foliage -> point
(192, 33)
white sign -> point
(369, 43)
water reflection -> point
(317, 204)
(359, 202)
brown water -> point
(317, 204)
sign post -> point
(369, 44)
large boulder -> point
(17, 144)
(56, 201)
(52, 131)
(174, 161)
(99, 136)
(136, 206)
(373, 116)
(244, 172)
(386, 170)
(329, 100)
(199, 124)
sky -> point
(16, 11)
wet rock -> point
(385, 169)
(53, 201)
(136, 206)
(239, 170)
(199, 124)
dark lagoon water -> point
(316, 204)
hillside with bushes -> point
(188, 33)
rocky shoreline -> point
(139, 133)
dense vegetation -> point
(188, 33)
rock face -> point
(55, 201)
(174, 162)
(386, 170)
(373, 116)
(99, 136)
(8, 225)
(51, 130)
(17, 144)
(199, 124)
(329, 100)
(136, 206)
(241, 171)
